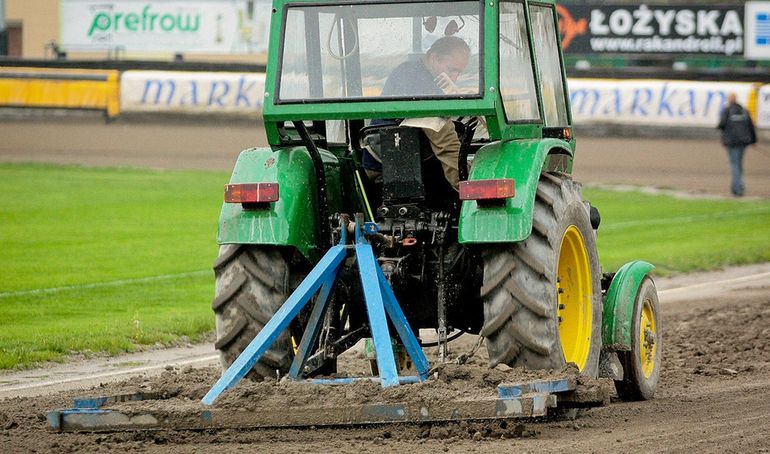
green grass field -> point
(107, 260)
(680, 235)
(103, 260)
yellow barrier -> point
(61, 88)
(753, 105)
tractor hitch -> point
(379, 300)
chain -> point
(462, 359)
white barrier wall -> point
(610, 101)
(192, 92)
(763, 107)
(652, 102)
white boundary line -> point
(724, 282)
(131, 371)
(104, 284)
(680, 219)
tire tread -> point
(519, 290)
(252, 284)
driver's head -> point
(449, 55)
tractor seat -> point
(411, 173)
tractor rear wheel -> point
(542, 296)
(252, 282)
(641, 365)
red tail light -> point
(499, 189)
(251, 193)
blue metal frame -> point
(511, 391)
(522, 400)
(313, 329)
(379, 299)
(398, 318)
(324, 273)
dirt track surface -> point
(714, 394)
(696, 166)
(713, 397)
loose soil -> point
(713, 395)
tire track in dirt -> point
(722, 416)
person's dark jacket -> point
(411, 78)
(737, 127)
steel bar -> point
(325, 269)
(378, 324)
(401, 325)
(313, 327)
(194, 417)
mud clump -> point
(447, 382)
(187, 383)
(476, 431)
(700, 346)
(6, 422)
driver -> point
(434, 74)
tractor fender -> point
(293, 219)
(523, 161)
(619, 304)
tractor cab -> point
(338, 57)
(365, 75)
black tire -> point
(635, 384)
(252, 282)
(521, 321)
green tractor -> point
(448, 125)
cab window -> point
(517, 80)
(549, 65)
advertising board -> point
(191, 26)
(763, 107)
(652, 29)
(192, 92)
(78, 89)
(653, 102)
(757, 31)
(608, 101)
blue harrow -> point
(512, 400)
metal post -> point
(416, 36)
(3, 30)
(401, 324)
(324, 236)
(441, 308)
(375, 308)
(324, 273)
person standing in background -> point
(434, 74)
(737, 133)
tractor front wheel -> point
(641, 365)
(542, 296)
(252, 282)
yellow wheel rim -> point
(648, 333)
(574, 290)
